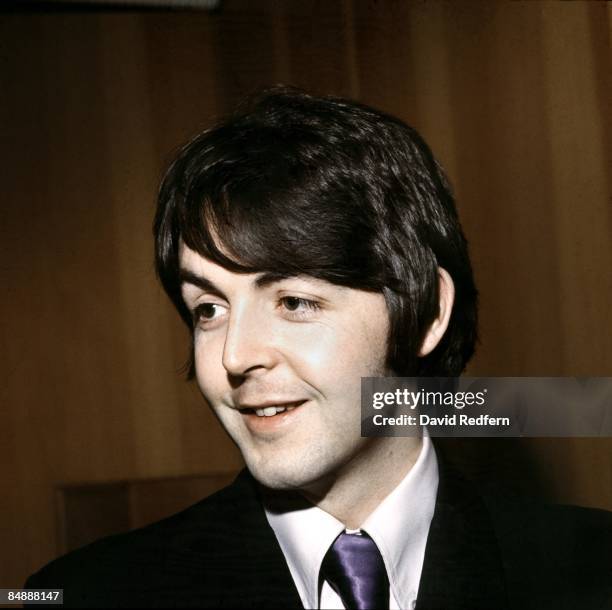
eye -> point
(299, 307)
(206, 313)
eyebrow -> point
(186, 276)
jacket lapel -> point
(225, 555)
(462, 569)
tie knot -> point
(354, 568)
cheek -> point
(210, 374)
(337, 356)
(316, 348)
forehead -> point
(190, 260)
(200, 271)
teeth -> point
(270, 411)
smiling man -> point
(296, 241)
(309, 242)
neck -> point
(363, 483)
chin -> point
(282, 476)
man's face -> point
(295, 347)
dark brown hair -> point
(297, 184)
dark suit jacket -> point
(483, 551)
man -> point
(308, 242)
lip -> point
(271, 425)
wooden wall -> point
(512, 96)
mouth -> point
(271, 410)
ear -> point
(440, 324)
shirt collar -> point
(399, 526)
(305, 533)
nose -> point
(248, 343)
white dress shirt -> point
(399, 526)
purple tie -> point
(354, 568)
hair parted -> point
(295, 184)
